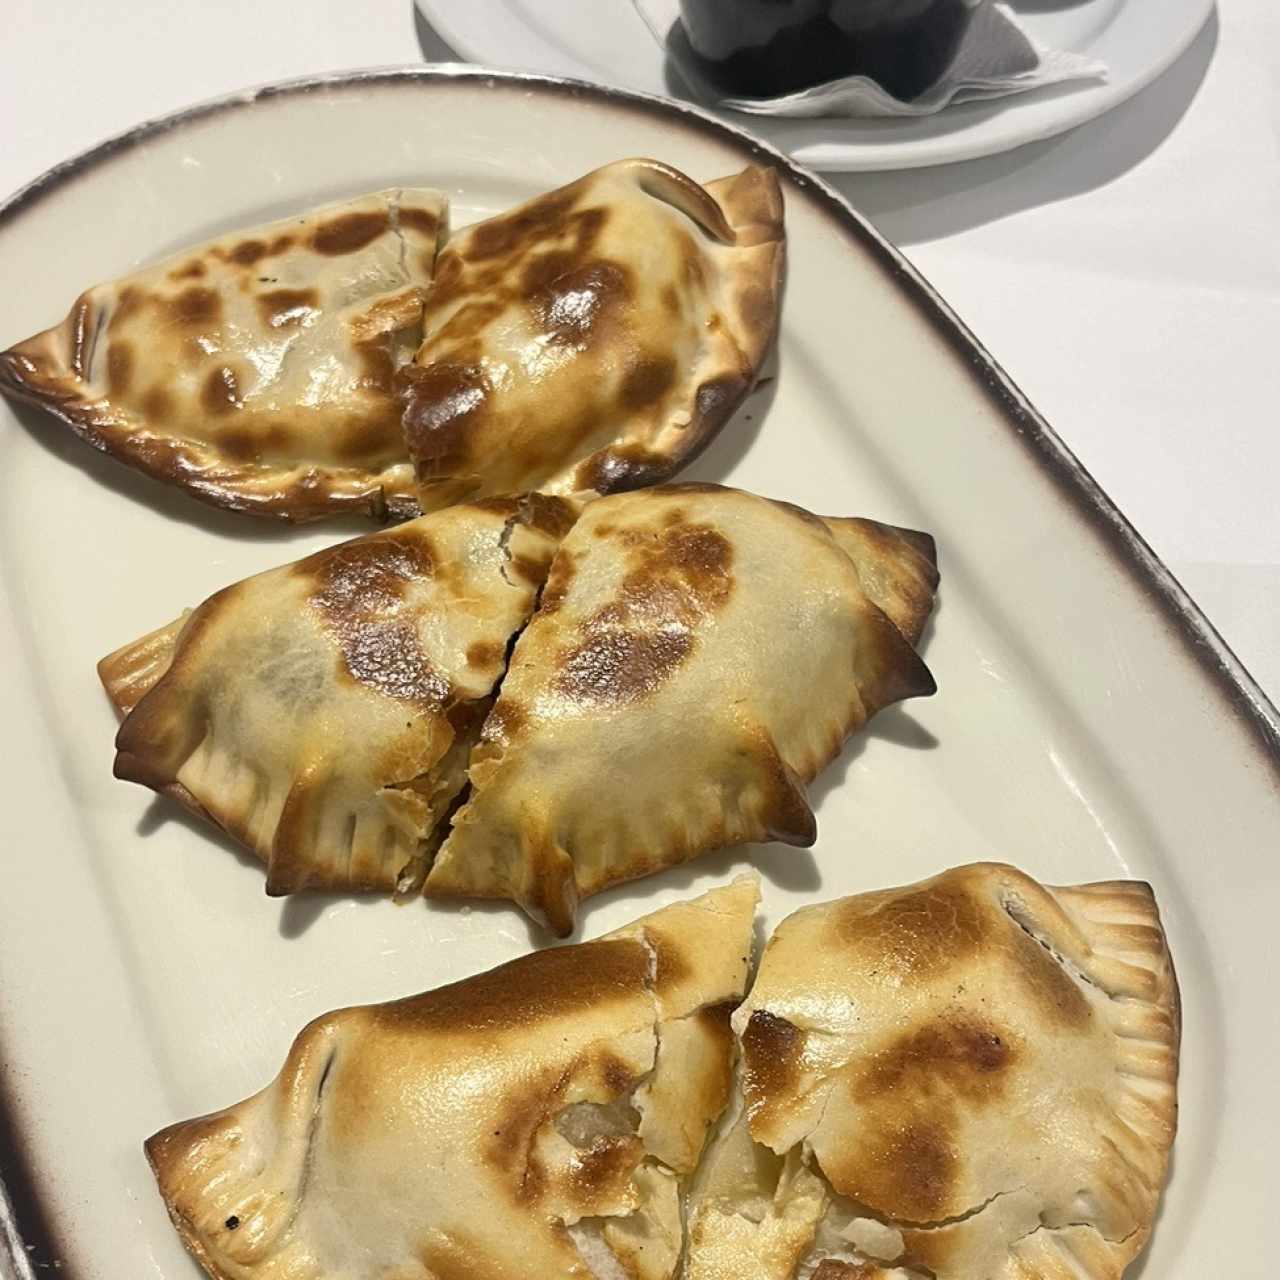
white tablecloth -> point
(1126, 274)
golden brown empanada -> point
(254, 371)
(969, 1078)
(596, 337)
(322, 712)
(532, 1123)
(700, 653)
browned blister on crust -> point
(254, 371)
(595, 337)
(701, 651)
(501, 1127)
(977, 1075)
(322, 713)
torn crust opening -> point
(324, 713)
(510, 1114)
(670, 647)
(493, 659)
(978, 1064)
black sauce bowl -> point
(763, 48)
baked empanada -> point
(596, 337)
(969, 1078)
(532, 1123)
(322, 713)
(255, 371)
(701, 653)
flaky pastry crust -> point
(595, 337)
(254, 371)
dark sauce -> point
(762, 48)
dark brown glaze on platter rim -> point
(32, 1242)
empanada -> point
(255, 371)
(532, 1123)
(969, 1078)
(596, 337)
(322, 712)
(700, 653)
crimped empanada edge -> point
(695, 957)
(133, 671)
(33, 372)
(295, 495)
(1108, 935)
(751, 202)
(1121, 919)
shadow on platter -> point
(164, 810)
(299, 911)
(894, 725)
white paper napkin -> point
(996, 57)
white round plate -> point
(607, 41)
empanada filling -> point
(644, 1245)
(588, 1239)
(626, 1142)
(646, 1240)
(445, 788)
(584, 1124)
(796, 1218)
(813, 1232)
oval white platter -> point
(1089, 724)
